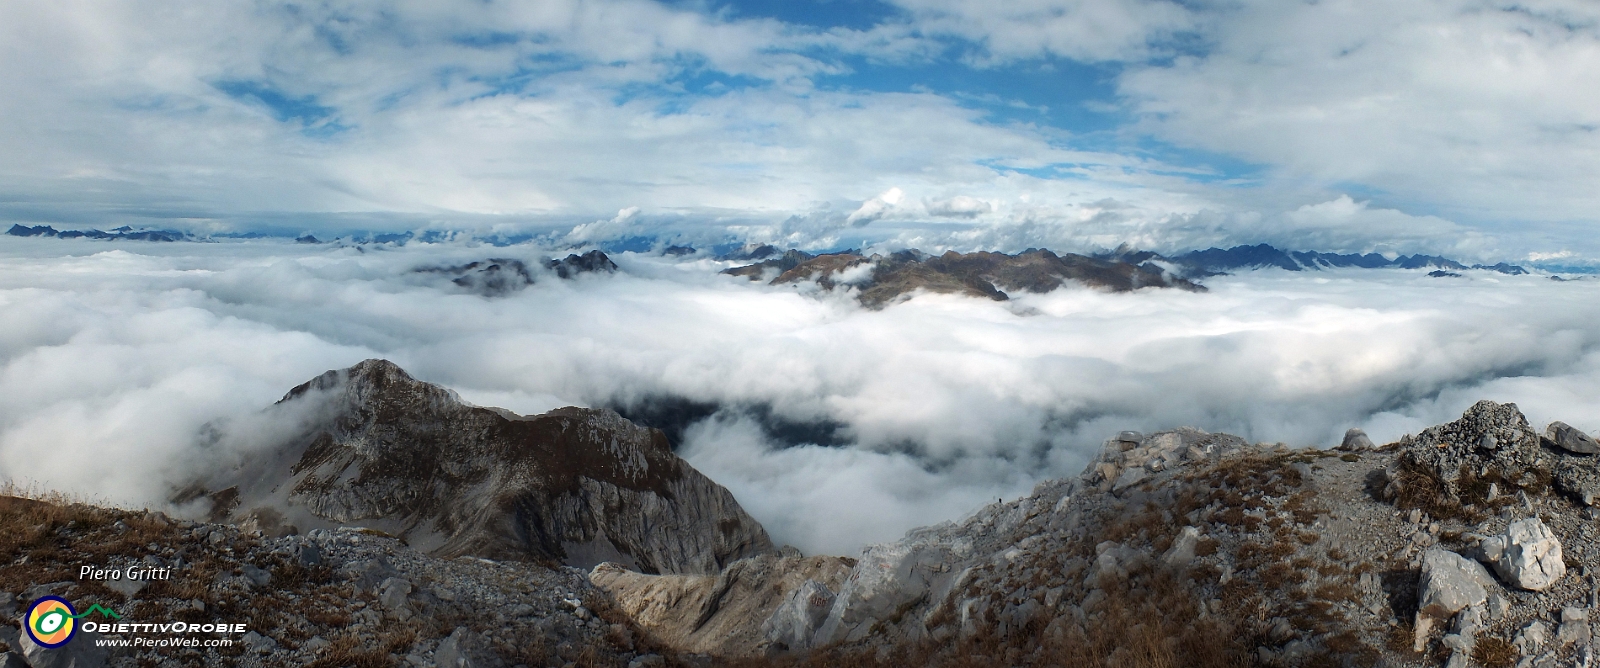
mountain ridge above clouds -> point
(884, 279)
(380, 449)
(1219, 261)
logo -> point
(52, 621)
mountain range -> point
(1215, 261)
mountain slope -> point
(581, 486)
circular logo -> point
(50, 621)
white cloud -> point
(112, 359)
(1076, 29)
(960, 206)
(1486, 111)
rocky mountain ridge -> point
(883, 279)
(1217, 261)
(498, 277)
(1471, 543)
(1452, 547)
(123, 233)
(578, 486)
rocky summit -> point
(382, 450)
(884, 279)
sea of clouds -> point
(112, 356)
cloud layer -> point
(114, 355)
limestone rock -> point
(1527, 555)
(1574, 627)
(395, 594)
(1182, 550)
(459, 650)
(723, 615)
(1450, 583)
(1570, 439)
(1531, 638)
(383, 450)
(796, 620)
(1356, 440)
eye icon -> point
(51, 621)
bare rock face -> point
(383, 450)
(797, 619)
(1527, 555)
(758, 606)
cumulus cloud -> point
(114, 355)
(960, 206)
(1481, 110)
(1075, 29)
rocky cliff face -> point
(576, 485)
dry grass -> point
(1491, 652)
(348, 651)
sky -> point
(1459, 127)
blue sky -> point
(1460, 127)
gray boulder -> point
(1527, 555)
(12, 660)
(395, 595)
(1182, 550)
(1356, 440)
(1571, 439)
(1449, 584)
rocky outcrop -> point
(383, 450)
(755, 607)
(884, 279)
(1457, 467)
